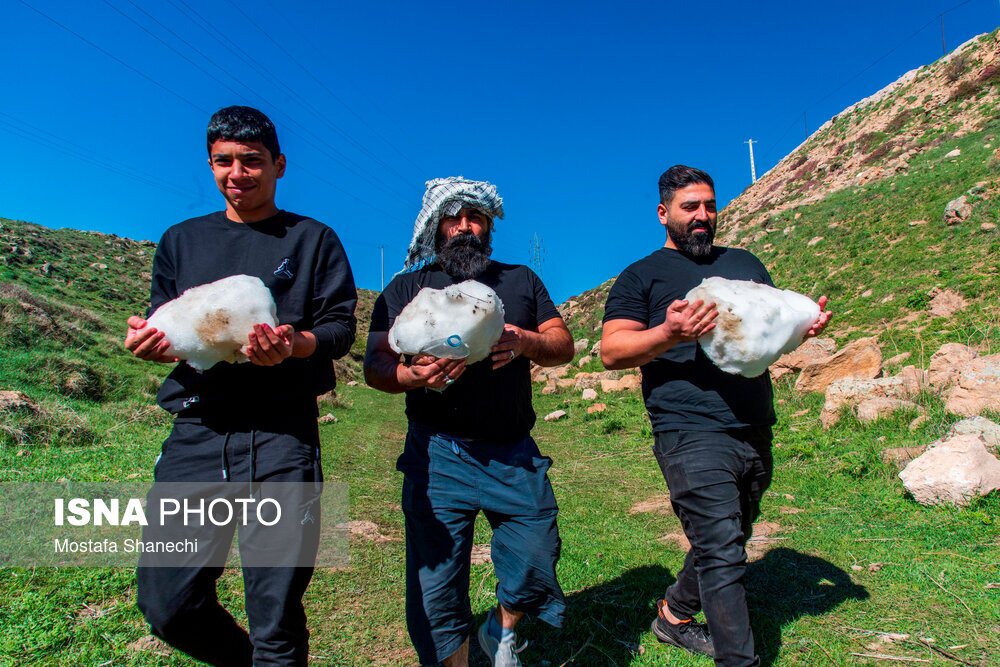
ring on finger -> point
(512, 355)
(448, 380)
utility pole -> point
(381, 250)
(753, 169)
(536, 254)
(944, 45)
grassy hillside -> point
(844, 565)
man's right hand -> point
(428, 371)
(146, 342)
(687, 320)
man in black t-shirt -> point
(712, 430)
(236, 425)
(468, 447)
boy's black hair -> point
(239, 123)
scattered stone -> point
(957, 210)
(976, 387)
(596, 407)
(481, 554)
(945, 303)
(914, 379)
(655, 505)
(848, 392)
(989, 430)
(595, 350)
(625, 383)
(785, 509)
(814, 240)
(898, 359)
(15, 401)
(47, 268)
(874, 409)
(553, 416)
(589, 394)
(867, 293)
(860, 359)
(763, 539)
(328, 418)
(593, 380)
(901, 456)
(875, 567)
(549, 388)
(367, 530)
(953, 153)
(952, 471)
(584, 360)
(801, 413)
(917, 422)
(580, 345)
(917, 223)
(946, 363)
(797, 216)
(566, 383)
(811, 351)
(352, 383)
(857, 568)
(987, 227)
(98, 266)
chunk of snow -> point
(210, 323)
(461, 321)
(756, 323)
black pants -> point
(716, 481)
(180, 603)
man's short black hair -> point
(680, 176)
(238, 123)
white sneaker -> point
(503, 652)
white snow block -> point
(756, 323)
(461, 321)
(210, 323)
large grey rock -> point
(989, 430)
(860, 359)
(976, 388)
(947, 362)
(811, 351)
(957, 210)
(953, 471)
(848, 392)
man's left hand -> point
(269, 347)
(510, 346)
(824, 318)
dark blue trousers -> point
(447, 482)
(716, 482)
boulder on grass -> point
(947, 362)
(811, 351)
(860, 359)
(872, 409)
(952, 471)
(976, 387)
(848, 392)
(989, 430)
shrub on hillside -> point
(46, 425)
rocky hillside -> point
(890, 209)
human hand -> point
(687, 320)
(431, 372)
(147, 343)
(510, 346)
(824, 318)
(269, 347)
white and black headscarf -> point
(444, 197)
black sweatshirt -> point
(303, 264)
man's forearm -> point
(631, 349)
(549, 348)
(382, 372)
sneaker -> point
(501, 652)
(688, 635)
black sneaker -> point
(689, 635)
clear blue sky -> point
(572, 108)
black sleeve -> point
(163, 284)
(388, 305)
(758, 267)
(334, 299)
(545, 310)
(627, 299)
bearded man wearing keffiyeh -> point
(469, 447)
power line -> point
(206, 26)
(336, 154)
(329, 92)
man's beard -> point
(688, 241)
(464, 256)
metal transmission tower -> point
(536, 254)
(753, 169)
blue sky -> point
(572, 108)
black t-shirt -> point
(683, 389)
(483, 403)
(303, 264)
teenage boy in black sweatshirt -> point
(249, 422)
